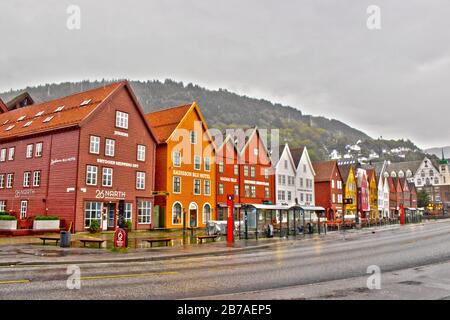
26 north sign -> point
(109, 194)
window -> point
(289, 195)
(140, 180)
(245, 171)
(266, 192)
(176, 188)
(9, 180)
(23, 209)
(27, 124)
(26, 178)
(107, 179)
(144, 212)
(332, 183)
(109, 147)
(431, 173)
(207, 164)
(94, 146)
(281, 195)
(2, 181)
(266, 173)
(301, 182)
(92, 211)
(236, 170)
(206, 213)
(255, 151)
(193, 137)
(141, 152)
(247, 191)
(252, 172)
(2, 205)
(176, 158)
(253, 191)
(436, 180)
(236, 190)
(36, 178)
(58, 109)
(197, 190)
(207, 188)
(21, 118)
(128, 211)
(220, 167)
(3, 155)
(29, 153)
(11, 153)
(197, 162)
(121, 120)
(283, 180)
(91, 175)
(176, 213)
(38, 150)
(333, 198)
(10, 127)
(339, 198)
(220, 189)
(48, 119)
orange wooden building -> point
(185, 181)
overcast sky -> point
(318, 56)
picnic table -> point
(91, 240)
(213, 237)
(49, 238)
(153, 240)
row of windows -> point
(176, 160)
(110, 147)
(427, 181)
(23, 208)
(250, 191)
(286, 166)
(7, 180)
(282, 180)
(221, 189)
(235, 168)
(107, 177)
(176, 186)
(338, 184)
(93, 211)
(246, 170)
(9, 153)
(177, 212)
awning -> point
(309, 208)
(269, 206)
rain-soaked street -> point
(414, 263)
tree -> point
(422, 199)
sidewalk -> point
(22, 252)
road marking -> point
(116, 276)
(15, 281)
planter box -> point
(45, 224)
(8, 224)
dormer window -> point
(10, 127)
(85, 103)
(28, 124)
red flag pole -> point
(230, 220)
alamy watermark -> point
(74, 17)
(374, 17)
(74, 280)
(374, 280)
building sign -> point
(120, 238)
(109, 194)
(118, 163)
(191, 174)
(120, 133)
(24, 193)
(226, 179)
(258, 183)
(56, 161)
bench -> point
(49, 238)
(201, 238)
(90, 240)
(153, 240)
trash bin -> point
(64, 239)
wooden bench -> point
(153, 240)
(49, 238)
(201, 238)
(90, 240)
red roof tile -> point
(164, 122)
(29, 120)
(324, 170)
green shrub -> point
(3, 213)
(3, 217)
(95, 226)
(129, 225)
(46, 218)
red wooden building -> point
(392, 196)
(76, 157)
(328, 192)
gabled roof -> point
(345, 171)
(164, 122)
(286, 149)
(297, 154)
(228, 140)
(324, 170)
(3, 107)
(412, 187)
(42, 117)
(371, 173)
(22, 100)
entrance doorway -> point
(193, 215)
(111, 215)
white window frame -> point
(110, 147)
(11, 153)
(3, 154)
(2, 181)
(205, 182)
(141, 149)
(9, 180)
(236, 190)
(144, 205)
(92, 173)
(23, 209)
(95, 212)
(121, 119)
(204, 218)
(29, 151)
(2, 205)
(94, 144)
(221, 167)
(199, 187)
(207, 163)
(197, 162)
(37, 178)
(129, 211)
(192, 137)
(236, 170)
(220, 189)
(173, 184)
(174, 213)
(108, 174)
(140, 180)
(26, 179)
(176, 158)
(38, 149)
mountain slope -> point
(223, 109)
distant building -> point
(328, 188)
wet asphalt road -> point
(301, 263)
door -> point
(111, 212)
(193, 211)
